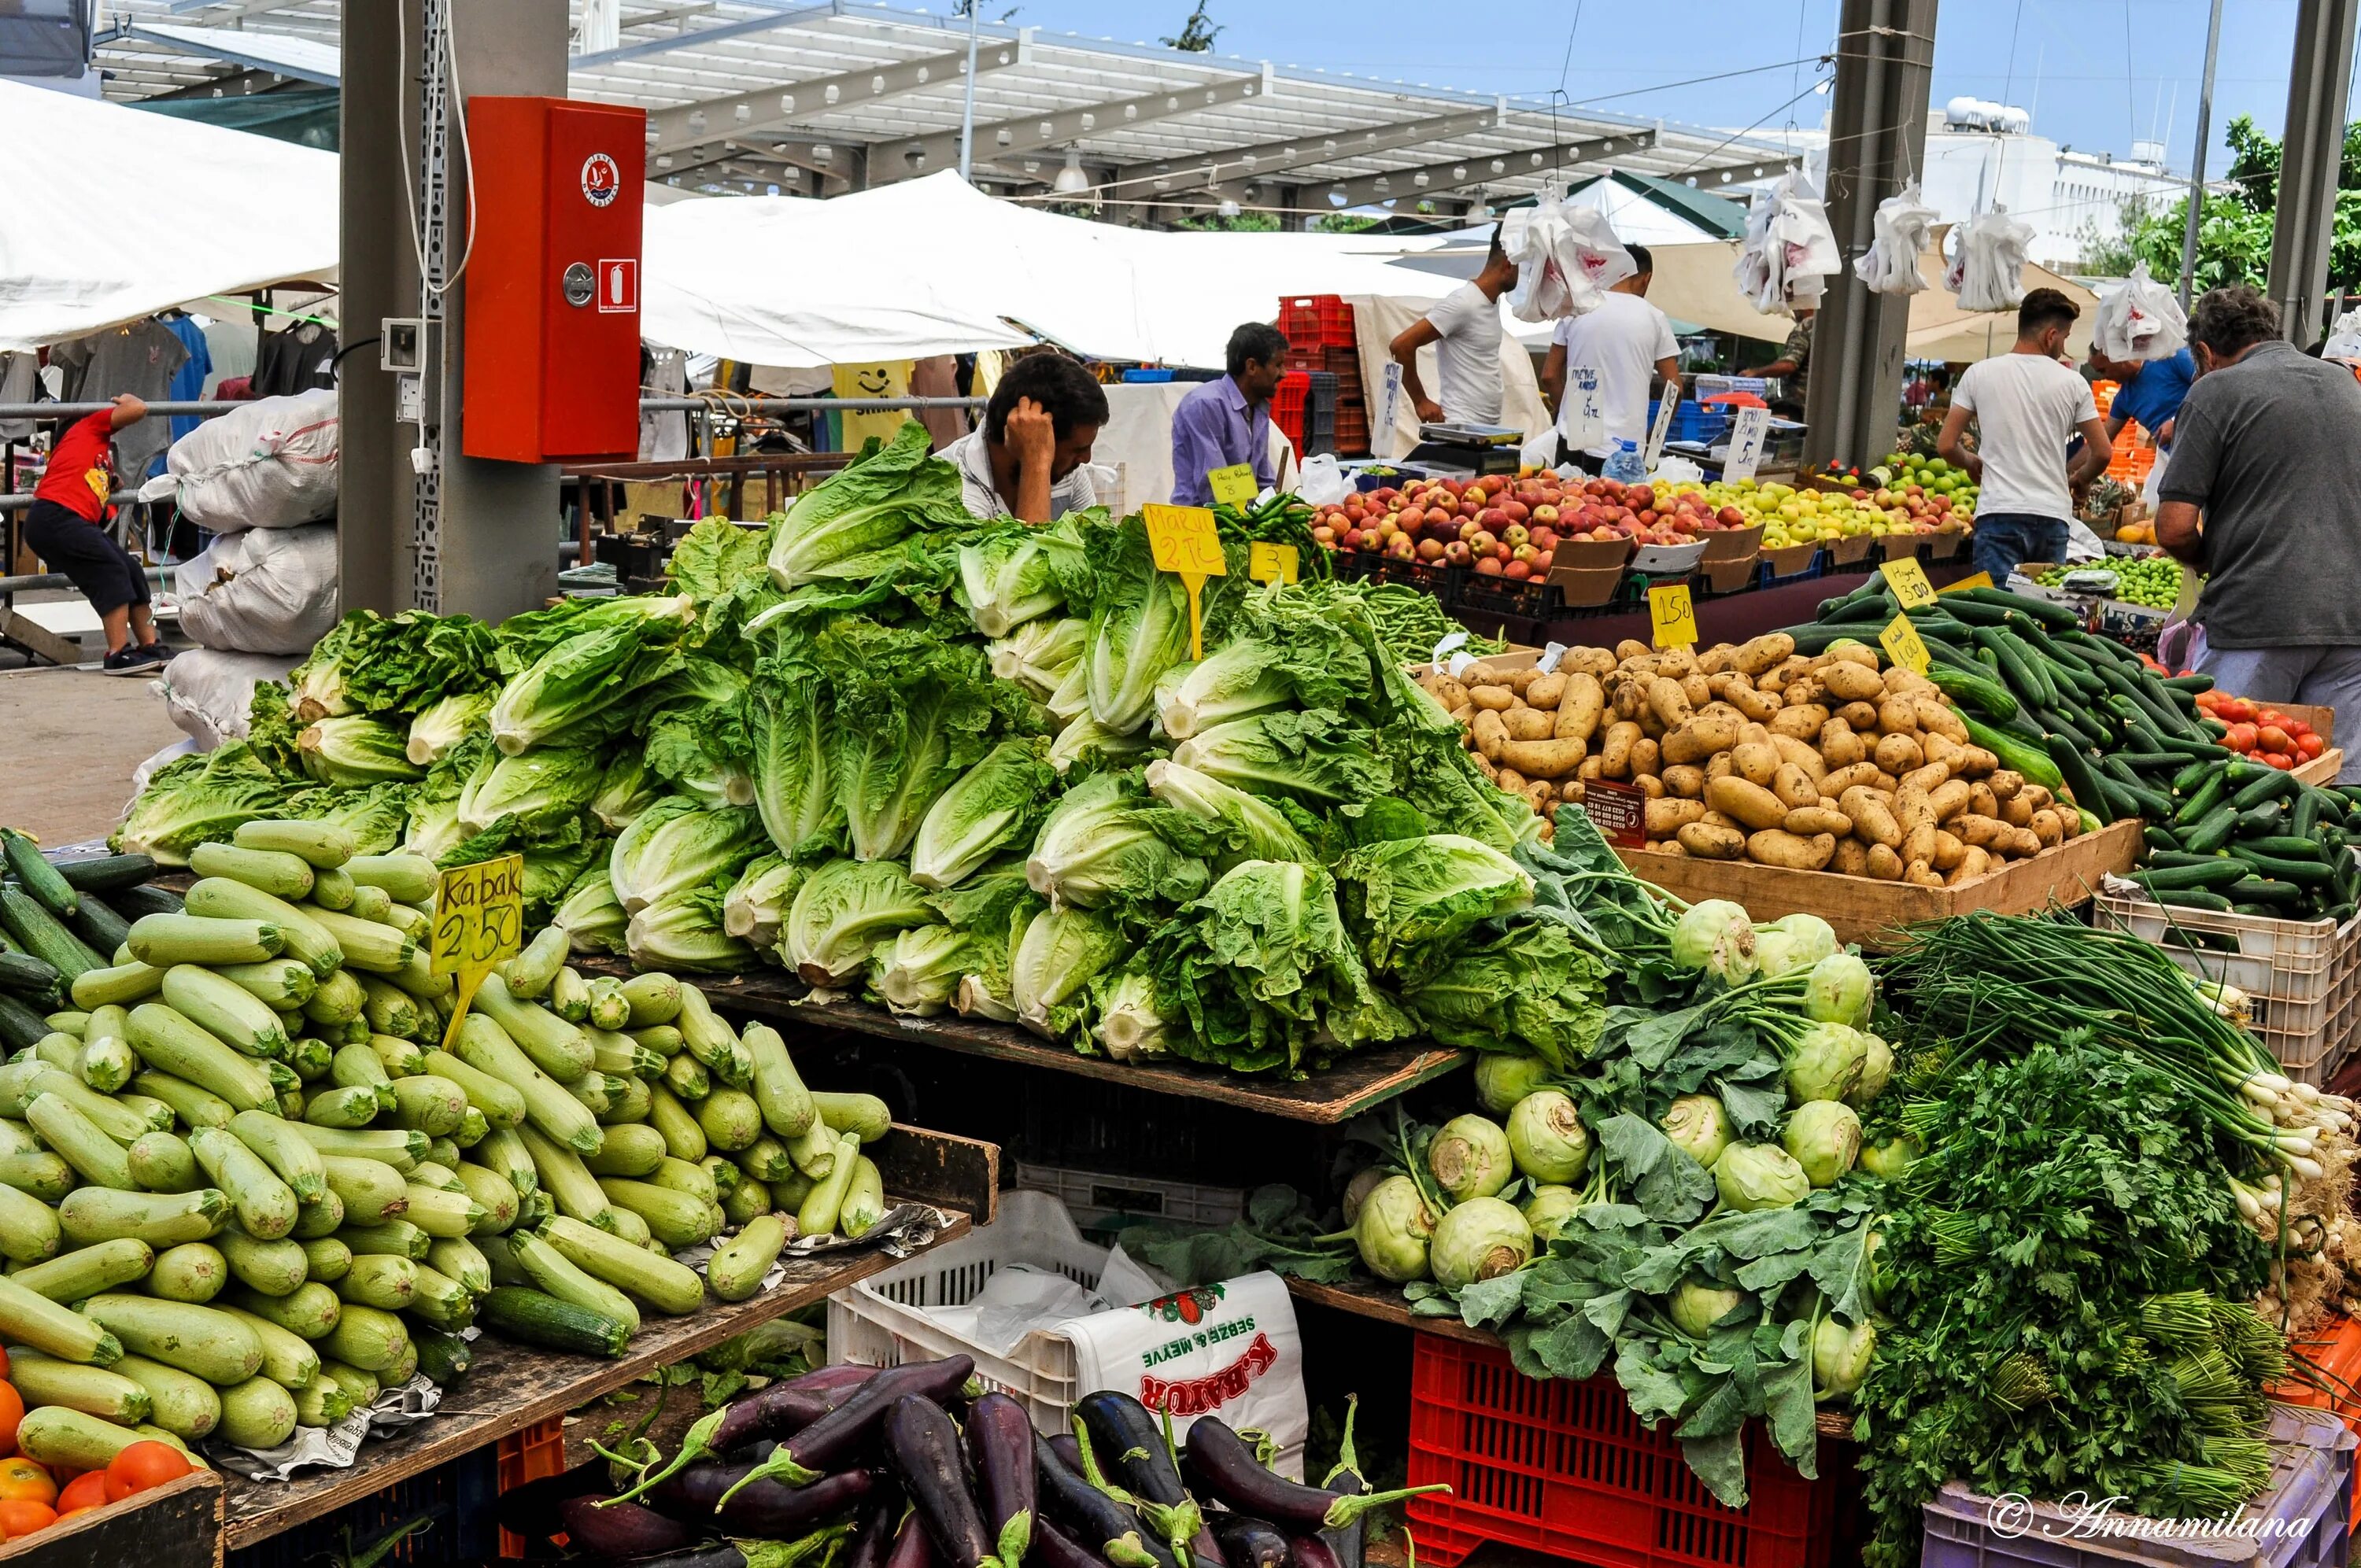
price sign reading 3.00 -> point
(478, 921)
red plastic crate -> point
(1316, 321)
(1287, 405)
(2335, 1347)
(529, 1454)
(1566, 1468)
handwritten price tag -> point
(1233, 485)
(1909, 581)
(1666, 405)
(1902, 644)
(478, 921)
(1746, 432)
(1671, 617)
(1182, 541)
(1267, 563)
(1981, 580)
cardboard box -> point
(1944, 543)
(1846, 549)
(1587, 572)
(1730, 557)
(1787, 560)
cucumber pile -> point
(2075, 711)
(243, 1189)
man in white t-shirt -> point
(1465, 327)
(2027, 407)
(1626, 340)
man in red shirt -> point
(66, 526)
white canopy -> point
(114, 214)
(1637, 219)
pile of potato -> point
(1756, 752)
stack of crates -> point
(1320, 340)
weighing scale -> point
(1469, 449)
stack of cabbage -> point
(242, 1187)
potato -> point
(1924, 874)
(1529, 723)
(1490, 733)
(1485, 766)
(1678, 662)
(1940, 748)
(1778, 846)
(1983, 832)
(1884, 863)
(1547, 690)
(1499, 699)
(1647, 758)
(1849, 681)
(1772, 680)
(1510, 780)
(2037, 797)
(2017, 811)
(1570, 791)
(1797, 753)
(1451, 693)
(1800, 723)
(1589, 769)
(1835, 781)
(1650, 785)
(1713, 818)
(1809, 821)
(1592, 662)
(1483, 675)
(2048, 828)
(1715, 662)
(2071, 822)
(1720, 766)
(1543, 794)
(1901, 682)
(1753, 734)
(1792, 667)
(1948, 852)
(1950, 798)
(1615, 752)
(1579, 708)
(1649, 725)
(1852, 857)
(1670, 701)
(1862, 715)
(1897, 716)
(1687, 782)
(1701, 737)
(1803, 691)
(1928, 778)
(1974, 863)
(1764, 653)
(1982, 801)
(1541, 759)
(2023, 844)
(1632, 648)
(1628, 697)
(1749, 804)
(1665, 817)
(1937, 717)
(1871, 818)
(2005, 782)
(1850, 651)
(1918, 843)
(1518, 680)
(1761, 706)
(1755, 760)
(1839, 747)
(1708, 842)
(1793, 786)
(1669, 847)
(1976, 760)
(1899, 753)
(1696, 690)
(1463, 716)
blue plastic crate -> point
(1694, 421)
(457, 1500)
(1141, 373)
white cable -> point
(466, 155)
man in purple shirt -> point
(1223, 423)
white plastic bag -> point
(1568, 257)
(1992, 270)
(271, 464)
(210, 694)
(2139, 319)
(1902, 225)
(1789, 251)
(266, 590)
(1321, 482)
(2344, 338)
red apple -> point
(1545, 513)
(1487, 567)
(1483, 540)
(1732, 517)
(1542, 561)
(1457, 555)
(1517, 570)
(1429, 550)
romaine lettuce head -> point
(756, 904)
(1139, 626)
(536, 793)
(550, 870)
(844, 909)
(374, 816)
(625, 790)
(683, 930)
(694, 733)
(1013, 573)
(446, 723)
(796, 787)
(351, 751)
(914, 713)
(993, 804)
(676, 845)
(593, 920)
(918, 971)
(1315, 756)
(1090, 745)
(1250, 827)
(589, 673)
(1129, 1026)
(1041, 655)
(852, 524)
(1412, 894)
(1272, 659)
(1050, 974)
(1105, 844)
(199, 799)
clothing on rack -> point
(664, 373)
(189, 382)
(20, 380)
(142, 359)
(297, 360)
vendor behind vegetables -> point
(1032, 457)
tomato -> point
(22, 1480)
(87, 1491)
(12, 1411)
(2271, 738)
(2275, 759)
(22, 1516)
(2238, 710)
(144, 1464)
(2308, 745)
(2273, 718)
(2240, 738)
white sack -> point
(210, 694)
(1789, 251)
(271, 464)
(2344, 337)
(266, 590)
(1992, 262)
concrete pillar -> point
(2319, 77)
(1877, 136)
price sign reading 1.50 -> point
(478, 921)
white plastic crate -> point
(879, 1322)
(1096, 1199)
(2303, 978)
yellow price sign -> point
(1671, 617)
(1981, 580)
(1902, 644)
(1909, 581)
(1182, 541)
(478, 921)
(1267, 563)
(1233, 485)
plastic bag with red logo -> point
(1992, 269)
(1903, 222)
(2139, 319)
(1568, 257)
(1789, 252)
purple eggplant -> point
(872, 1532)
(1234, 1473)
(1248, 1542)
(788, 1405)
(1000, 1446)
(1053, 1547)
(529, 1508)
(1311, 1552)
(1069, 1452)
(721, 1556)
(923, 1444)
(1095, 1518)
(692, 1494)
(912, 1549)
(628, 1531)
(769, 1511)
(838, 1437)
(1137, 1452)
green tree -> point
(2233, 236)
(1197, 34)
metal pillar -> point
(2319, 77)
(2196, 218)
(1877, 139)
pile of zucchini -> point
(242, 1188)
(2076, 712)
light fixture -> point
(1070, 180)
(1228, 209)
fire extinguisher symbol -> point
(618, 286)
(601, 180)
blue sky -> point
(2069, 62)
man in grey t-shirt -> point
(2267, 452)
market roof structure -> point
(826, 97)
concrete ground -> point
(71, 738)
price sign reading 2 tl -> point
(1182, 541)
(478, 921)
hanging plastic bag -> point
(1789, 252)
(1991, 277)
(2344, 338)
(1903, 222)
(1568, 257)
(2139, 319)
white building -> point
(1980, 154)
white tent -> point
(1638, 220)
(114, 215)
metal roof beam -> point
(1030, 133)
(1229, 171)
(747, 114)
(1719, 176)
(701, 36)
(230, 10)
(1459, 173)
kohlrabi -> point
(1479, 1239)
(1470, 1158)
(1838, 990)
(1824, 1135)
(1394, 1230)
(1699, 1125)
(1841, 1357)
(1502, 1079)
(1697, 1306)
(1760, 1176)
(1715, 937)
(1546, 1137)
(1549, 1208)
(1892, 1159)
(1826, 1063)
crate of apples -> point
(1494, 524)
(2262, 732)
(1647, 514)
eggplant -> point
(1248, 1542)
(1064, 1446)
(1095, 1519)
(1234, 1473)
(1311, 1552)
(768, 1511)
(722, 1556)
(1351, 1543)
(1000, 1446)
(872, 1532)
(628, 1531)
(692, 1494)
(837, 1437)
(923, 1444)
(1053, 1547)
(788, 1405)
(1138, 1456)
(529, 1508)
(912, 1549)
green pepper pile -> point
(2071, 710)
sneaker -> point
(158, 652)
(130, 661)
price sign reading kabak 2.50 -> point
(478, 921)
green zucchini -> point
(536, 1318)
(667, 1286)
(309, 1311)
(366, 1338)
(273, 1267)
(366, 944)
(106, 1393)
(736, 1269)
(370, 1190)
(37, 930)
(192, 1272)
(88, 1270)
(279, 874)
(443, 1357)
(169, 1040)
(29, 1227)
(93, 1214)
(41, 880)
(265, 1206)
(300, 936)
(21, 1028)
(326, 1258)
(256, 1413)
(324, 845)
(403, 1150)
(118, 985)
(412, 879)
(55, 1435)
(337, 1000)
(107, 873)
(392, 1238)
(379, 1280)
(287, 1357)
(195, 1106)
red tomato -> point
(2238, 710)
(2275, 759)
(22, 1516)
(2240, 738)
(21, 1479)
(140, 1465)
(2308, 745)
(2271, 738)
(87, 1491)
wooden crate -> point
(2322, 769)
(1870, 912)
(177, 1525)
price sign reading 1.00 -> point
(1904, 645)
(478, 921)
